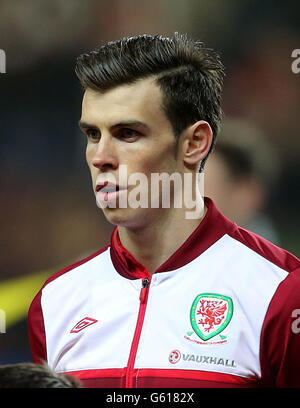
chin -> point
(117, 216)
(125, 217)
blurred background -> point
(48, 215)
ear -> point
(196, 143)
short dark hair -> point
(237, 160)
(189, 75)
(248, 153)
(29, 375)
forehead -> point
(141, 101)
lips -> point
(107, 187)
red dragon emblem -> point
(212, 311)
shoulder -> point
(286, 301)
(60, 290)
(280, 333)
(76, 265)
(62, 273)
(266, 249)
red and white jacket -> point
(220, 312)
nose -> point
(105, 156)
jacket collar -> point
(213, 226)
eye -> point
(93, 135)
(128, 134)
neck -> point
(154, 243)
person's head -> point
(29, 375)
(242, 171)
(154, 101)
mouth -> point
(107, 187)
(109, 192)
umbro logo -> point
(82, 324)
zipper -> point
(144, 290)
(143, 303)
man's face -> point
(127, 129)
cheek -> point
(90, 166)
(88, 155)
(160, 160)
(165, 164)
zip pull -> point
(145, 285)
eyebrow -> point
(85, 125)
(134, 123)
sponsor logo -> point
(83, 324)
(210, 314)
(175, 356)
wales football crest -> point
(210, 314)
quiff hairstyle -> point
(189, 75)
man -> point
(241, 176)
(176, 299)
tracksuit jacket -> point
(222, 311)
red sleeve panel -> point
(280, 338)
(36, 331)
